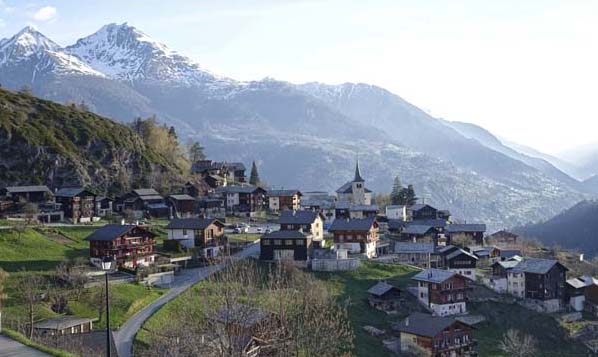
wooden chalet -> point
(129, 245)
(503, 238)
(205, 234)
(384, 296)
(544, 281)
(242, 199)
(474, 232)
(34, 194)
(280, 200)
(309, 222)
(357, 236)
(287, 245)
(444, 292)
(78, 204)
(182, 205)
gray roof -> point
(184, 197)
(192, 223)
(458, 252)
(60, 323)
(282, 193)
(238, 189)
(421, 324)
(456, 228)
(434, 275)
(508, 264)
(110, 232)
(22, 189)
(298, 217)
(381, 288)
(418, 206)
(416, 229)
(348, 188)
(290, 234)
(369, 208)
(445, 249)
(70, 191)
(436, 223)
(396, 224)
(146, 192)
(576, 283)
(536, 265)
(363, 224)
(406, 247)
(507, 253)
(151, 197)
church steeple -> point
(358, 177)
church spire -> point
(358, 177)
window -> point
(184, 232)
(277, 242)
(299, 242)
(265, 242)
(288, 242)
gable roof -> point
(283, 193)
(576, 283)
(503, 233)
(70, 192)
(298, 217)
(436, 222)
(396, 224)
(366, 208)
(456, 228)
(146, 192)
(62, 322)
(421, 324)
(507, 264)
(110, 232)
(183, 197)
(507, 253)
(239, 189)
(361, 224)
(458, 252)
(419, 206)
(536, 265)
(434, 275)
(286, 234)
(417, 229)
(22, 189)
(192, 223)
(348, 188)
(407, 247)
(381, 288)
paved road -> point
(125, 336)
(12, 348)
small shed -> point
(64, 325)
(384, 296)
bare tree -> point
(3, 295)
(28, 289)
(516, 344)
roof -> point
(298, 217)
(458, 252)
(421, 324)
(151, 197)
(357, 177)
(416, 229)
(362, 224)
(508, 264)
(184, 197)
(70, 191)
(419, 206)
(434, 275)
(456, 228)
(146, 192)
(576, 283)
(445, 249)
(536, 265)
(504, 233)
(238, 189)
(370, 208)
(348, 188)
(110, 232)
(62, 322)
(507, 253)
(406, 247)
(192, 223)
(282, 193)
(21, 189)
(381, 288)
(396, 224)
(436, 223)
(290, 234)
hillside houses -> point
(357, 236)
(443, 292)
(129, 245)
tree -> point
(28, 290)
(396, 193)
(515, 343)
(410, 198)
(254, 177)
(3, 295)
(196, 152)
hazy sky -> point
(526, 70)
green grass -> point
(27, 342)
(551, 338)
(243, 237)
(353, 286)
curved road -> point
(124, 337)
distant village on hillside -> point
(454, 262)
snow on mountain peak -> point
(24, 44)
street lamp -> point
(107, 266)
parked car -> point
(259, 230)
(237, 231)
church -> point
(355, 192)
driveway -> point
(12, 348)
(125, 336)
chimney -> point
(407, 321)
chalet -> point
(64, 325)
(486, 255)
(426, 335)
(242, 199)
(182, 205)
(500, 270)
(503, 238)
(291, 245)
(280, 200)
(395, 226)
(358, 236)
(506, 254)
(461, 262)
(103, 206)
(33, 194)
(342, 210)
(383, 296)
(130, 245)
(543, 281)
(417, 233)
(421, 211)
(355, 191)
(308, 222)
(575, 291)
(443, 292)
(197, 188)
(363, 211)
(205, 234)
(471, 232)
(78, 204)
(418, 254)
(211, 206)
(143, 202)
(231, 172)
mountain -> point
(585, 157)
(304, 136)
(42, 142)
(574, 228)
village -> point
(155, 239)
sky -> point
(525, 70)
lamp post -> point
(107, 266)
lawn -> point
(353, 286)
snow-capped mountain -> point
(30, 52)
(305, 135)
(123, 52)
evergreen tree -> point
(196, 152)
(395, 194)
(410, 198)
(254, 178)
